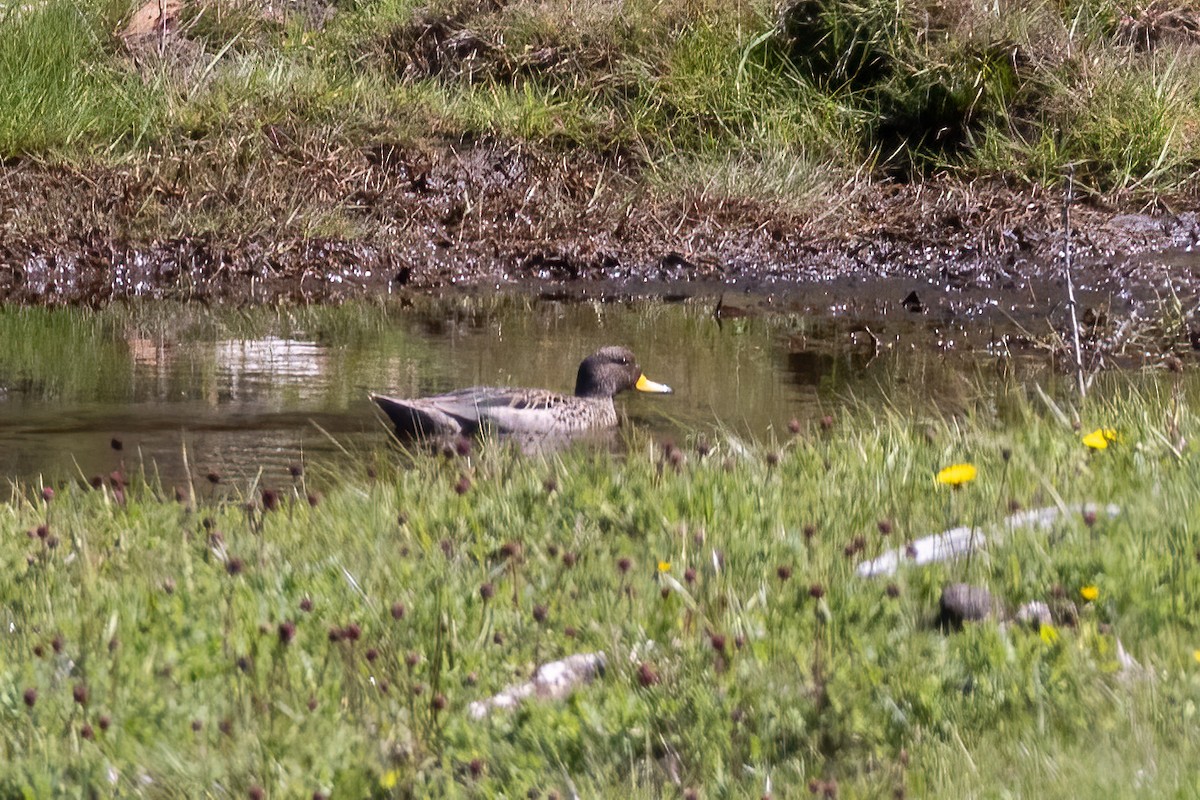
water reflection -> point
(280, 392)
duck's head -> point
(613, 370)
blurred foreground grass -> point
(323, 633)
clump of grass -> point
(61, 90)
(1125, 120)
(336, 647)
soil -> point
(486, 214)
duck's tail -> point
(414, 420)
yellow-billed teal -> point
(526, 411)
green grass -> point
(190, 690)
(732, 100)
(63, 92)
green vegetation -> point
(249, 636)
(736, 100)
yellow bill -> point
(644, 384)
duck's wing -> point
(504, 409)
(534, 411)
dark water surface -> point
(242, 391)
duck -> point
(508, 410)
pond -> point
(238, 391)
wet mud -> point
(477, 215)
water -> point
(263, 390)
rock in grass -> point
(552, 681)
(956, 542)
(962, 602)
(1034, 614)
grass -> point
(730, 100)
(744, 656)
(63, 92)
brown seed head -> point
(647, 675)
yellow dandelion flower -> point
(1099, 438)
(957, 474)
(1196, 655)
(664, 566)
(1089, 592)
(1049, 634)
(389, 779)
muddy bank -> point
(487, 214)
